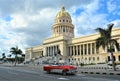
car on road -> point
(60, 68)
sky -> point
(26, 23)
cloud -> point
(27, 23)
(35, 28)
(113, 7)
(116, 23)
(89, 19)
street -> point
(23, 73)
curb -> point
(105, 73)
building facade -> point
(64, 47)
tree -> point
(3, 57)
(16, 51)
(105, 40)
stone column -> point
(49, 52)
(91, 52)
(80, 49)
(53, 51)
(31, 52)
(83, 49)
(91, 48)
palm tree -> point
(15, 51)
(105, 40)
(3, 57)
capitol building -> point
(62, 46)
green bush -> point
(101, 63)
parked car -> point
(60, 68)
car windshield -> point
(59, 64)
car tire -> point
(48, 72)
(64, 73)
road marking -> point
(63, 78)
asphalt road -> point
(32, 74)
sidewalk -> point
(99, 69)
(89, 71)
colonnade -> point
(52, 50)
(82, 49)
(62, 29)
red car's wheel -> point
(49, 72)
(64, 72)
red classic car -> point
(60, 68)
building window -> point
(59, 20)
(93, 58)
(97, 58)
(75, 59)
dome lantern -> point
(63, 13)
(63, 8)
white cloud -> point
(89, 19)
(32, 20)
(111, 5)
(34, 27)
(116, 23)
(18, 21)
